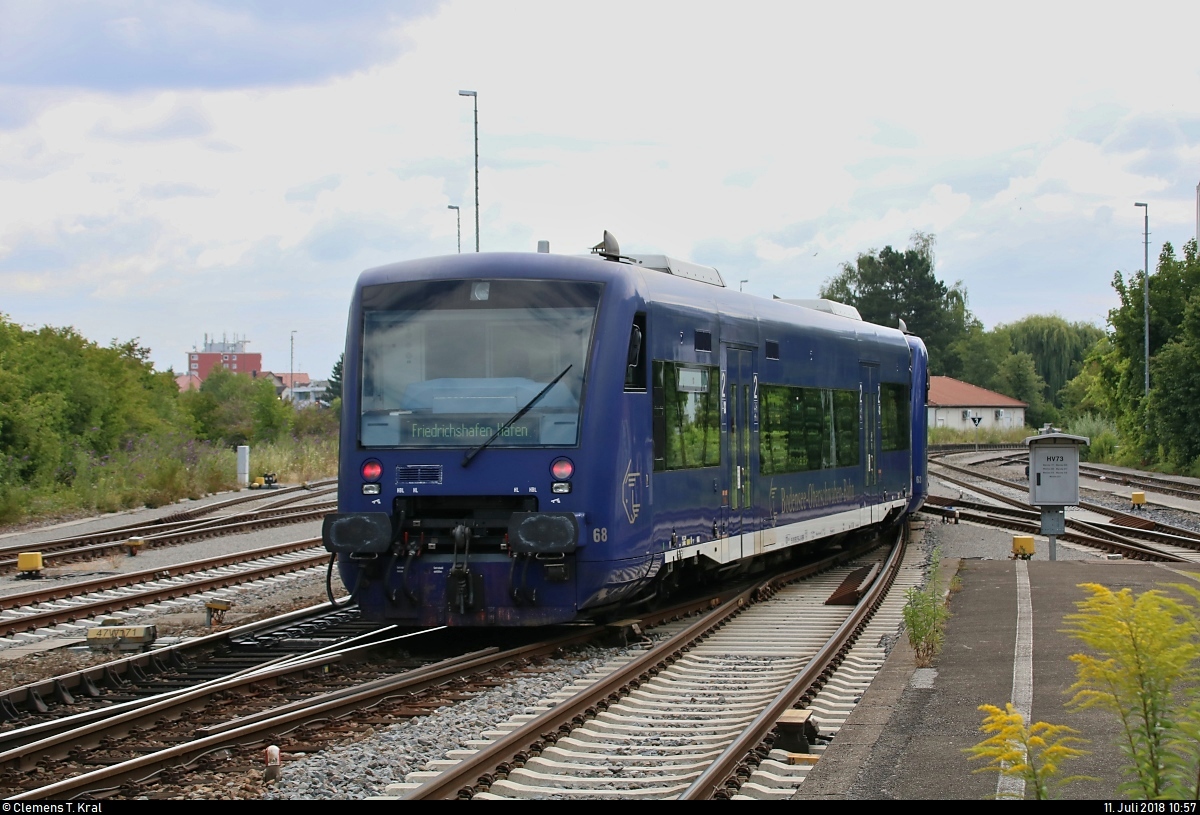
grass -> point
(987, 435)
(296, 460)
(157, 470)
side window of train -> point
(635, 360)
(687, 415)
(894, 407)
(806, 429)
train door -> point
(740, 405)
(870, 425)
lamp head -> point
(466, 93)
(1147, 206)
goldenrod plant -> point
(1144, 669)
(1034, 754)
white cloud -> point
(778, 131)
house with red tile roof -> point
(188, 382)
(956, 405)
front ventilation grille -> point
(419, 474)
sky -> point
(175, 170)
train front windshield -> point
(447, 362)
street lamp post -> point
(741, 283)
(1146, 289)
(458, 217)
(292, 370)
(475, 101)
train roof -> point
(658, 278)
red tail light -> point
(562, 469)
(372, 470)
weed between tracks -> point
(926, 613)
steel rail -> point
(165, 655)
(69, 590)
(58, 738)
(190, 514)
(1123, 536)
(57, 616)
(1111, 542)
(948, 449)
(721, 774)
(331, 706)
(209, 529)
(1135, 525)
(1169, 486)
(480, 769)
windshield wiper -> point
(476, 451)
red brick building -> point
(223, 354)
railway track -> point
(66, 694)
(159, 761)
(1125, 534)
(95, 545)
(157, 726)
(696, 715)
(1161, 484)
(327, 695)
(66, 604)
(1165, 485)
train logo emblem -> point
(630, 497)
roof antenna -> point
(607, 248)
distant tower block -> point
(223, 353)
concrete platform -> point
(905, 740)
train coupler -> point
(465, 590)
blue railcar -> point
(532, 438)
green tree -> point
(237, 409)
(976, 357)
(1120, 371)
(1058, 348)
(62, 395)
(888, 286)
(334, 389)
(1176, 392)
(1018, 378)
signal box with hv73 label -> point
(1054, 469)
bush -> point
(152, 470)
(1102, 434)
